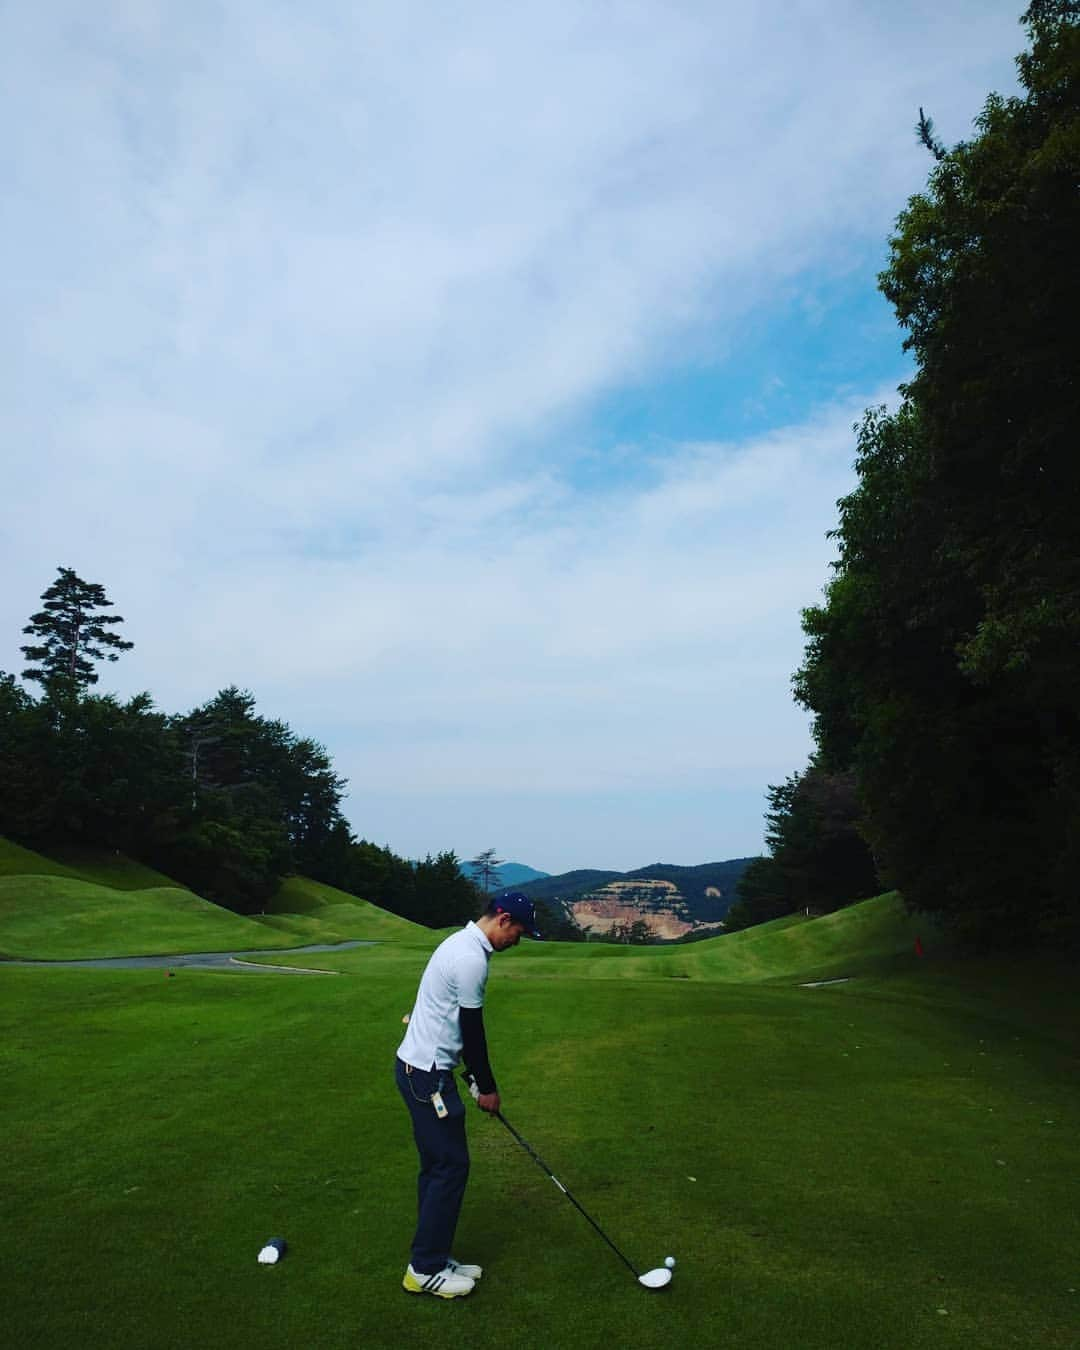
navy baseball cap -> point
(520, 908)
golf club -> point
(651, 1279)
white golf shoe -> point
(448, 1283)
(463, 1268)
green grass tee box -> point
(886, 1168)
(884, 1163)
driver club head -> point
(655, 1279)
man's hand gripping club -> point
(486, 1101)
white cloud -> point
(301, 307)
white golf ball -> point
(669, 1261)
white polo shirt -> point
(454, 978)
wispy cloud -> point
(306, 313)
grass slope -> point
(88, 904)
(874, 936)
(887, 1164)
(102, 867)
(56, 918)
(314, 912)
(18, 861)
(105, 868)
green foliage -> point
(24, 801)
(71, 634)
(817, 859)
(763, 896)
(262, 802)
(443, 896)
(635, 934)
(485, 870)
(942, 666)
(87, 770)
(226, 800)
(555, 924)
(432, 892)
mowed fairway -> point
(890, 1162)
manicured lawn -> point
(885, 1163)
(109, 868)
(319, 913)
(877, 936)
(54, 918)
(97, 903)
(101, 867)
(18, 861)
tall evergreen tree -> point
(485, 870)
(71, 634)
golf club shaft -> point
(545, 1168)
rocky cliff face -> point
(659, 903)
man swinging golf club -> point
(446, 1024)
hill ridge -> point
(695, 898)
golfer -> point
(446, 1024)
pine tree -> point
(485, 870)
(71, 634)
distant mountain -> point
(511, 875)
(679, 899)
(517, 874)
(567, 885)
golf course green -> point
(885, 1162)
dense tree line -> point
(942, 666)
(629, 934)
(817, 858)
(223, 799)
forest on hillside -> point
(221, 798)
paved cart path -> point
(233, 961)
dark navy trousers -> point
(444, 1163)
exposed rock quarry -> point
(659, 903)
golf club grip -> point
(552, 1177)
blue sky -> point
(473, 385)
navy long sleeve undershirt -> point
(474, 1049)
